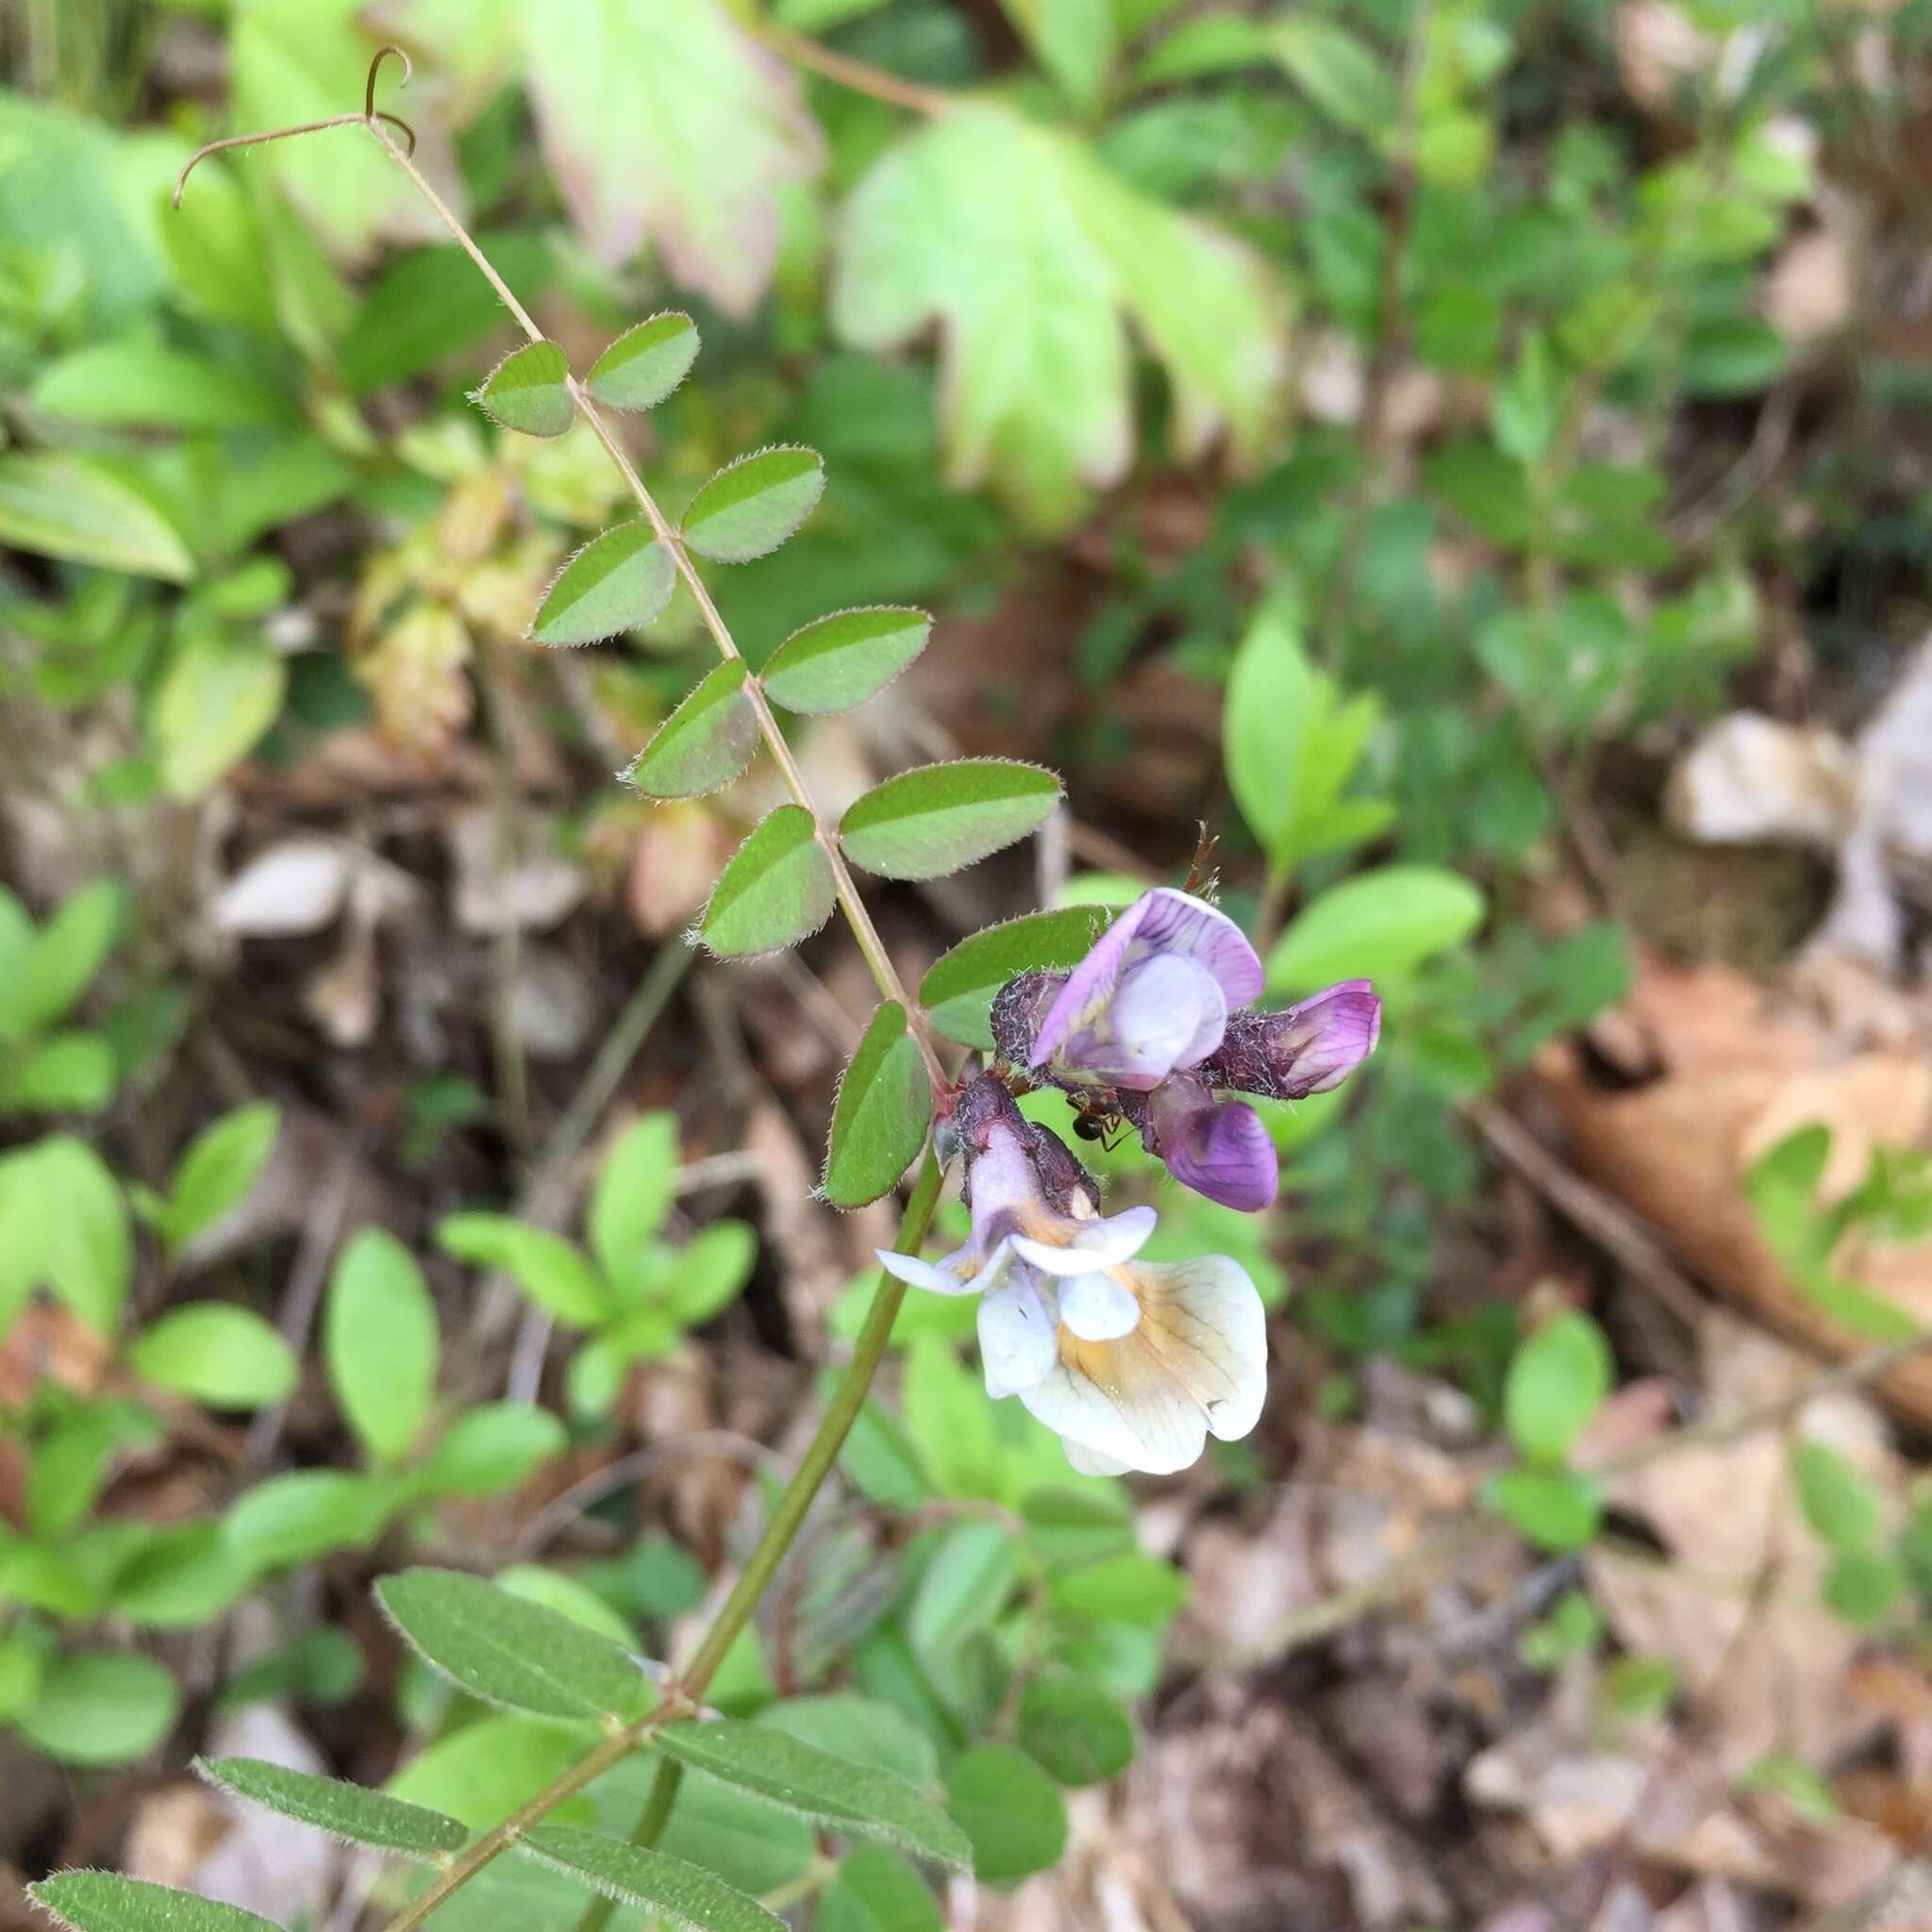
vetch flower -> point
(1134, 1364)
(1155, 1023)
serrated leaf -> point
(1031, 256)
(933, 820)
(777, 889)
(529, 390)
(750, 506)
(844, 658)
(704, 743)
(646, 363)
(881, 1114)
(106, 1901)
(851, 1798)
(615, 583)
(959, 987)
(510, 1652)
(653, 1881)
(349, 1811)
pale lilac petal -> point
(1314, 1047)
(909, 1267)
(1003, 1183)
(1017, 1347)
(1178, 923)
(1160, 924)
(1090, 1244)
(1097, 1309)
(1166, 1012)
(1219, 1148)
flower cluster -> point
(1132, 1363)
(1156, 1024)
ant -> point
(1097, 1117)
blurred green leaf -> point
(1010, 1810)
(875, 1891)
(1841, 1506)
(1075, 1731)
(141, 383)
(222, 691)
(1074, 40)
(380, 1339)
(547, 1268)
(1557, 1510)
(100, 1708)
(652, 1881)
(1379, 925)
(58, 504)
(634, 1192)
(223, 1355)
(219, 1170)
(306, 1513)
(1556, 1383)
(492, 1448)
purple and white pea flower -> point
(1133, 1364)
(1158, 1017)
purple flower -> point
(1156, 1020)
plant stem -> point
(788, 1517)
(876, 959)
(859, 76)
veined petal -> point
(1227, 1157)
(1196, 1363)
(1084, 1245)
(962, 1272)
(1314, 1047)
(1166, 1012)
(1016, 1336)
(1163, 922)
(1097, 1309)
(927, 1274)
(1085, 1462)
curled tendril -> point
(369, 118)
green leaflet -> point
(362, 1817)
(881, 1115)
(509, 1651)
(646, 363)
(959, 988)
(653, 1881)
(842, 659)
(752, 506)
(615, 583)
(850, 1797)
(104, 1902)
(1009, 1808)
(777, 889)
(705, 743)
(529, 389)
(935, 819)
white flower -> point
(1134, 1364)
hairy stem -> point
(876, 959)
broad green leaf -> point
(1557, 1382)
(1379, 925)
(106, 1901)
(630, 96)
(348, 1811)
(969, 1580)
(66, 1073)
(840, 660)
(529, 390)
(380, 1341)
(221, 691)
(569, 1598)
(865, 1729)
(71, 1459)
(1841, 1506)
(1009, 1808)
(1130, 1587)
(493, 1448)
(306, 1513)
(86, 1248)
(654, 1882)
(646, 363)
(100, 1707)
(1073, 40)
(222, 1165)
(881, 1114)
(69, 950)
(321, 1666)
(1356, 87)
(1557, 1510)
(958, 990)
(704, 743)
(710, 1271)
(1861, 1586)
(935, 819)
(547, 1268)
(1033, 258)
(875, 1891)
(510, 1652)
(853, 1798)
(184, 1574)
(752, 506)
(225, 1356)
(1078, 1734)
(141, 383)
(57, 504)
(634, 1192)
(483, 1771)
(777, 889)
(615, 583)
